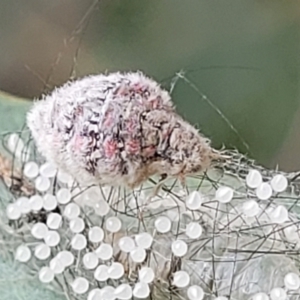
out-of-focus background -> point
(242, 55)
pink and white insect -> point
(117, 129)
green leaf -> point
(12, 118)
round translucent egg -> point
(13, 212)
(42, 184)
(144, 240)
(101, 273)
(146, 275)
(90, 260)
(24, 205)
(179, 248)
(31, 169)
(104, 251)
(195, 292)
(46, 275)
(254, 179)
(193, 230)
(49, 202)
(77, 225)
(138, 254)
(115, 271)
(63, 196)
(123, 292)
(141, 290)
(94, 294)
(39, 230)
(224, 194)
(278, 294)
(80, 285)
(42, 251)
(108, 293)
(47, 170)
(163, 224)
(279, 214)
(194, 200)
(292, 233)
(101, 208)
(126, 244)
(279, 183)
(96, 234)
(260, 296)
(264, 191)
(71, 211)
(56, 265)
(250, 208)
(181, 279)
(292, 281)
(54, 220)
(36, 202)
(113, 224)
(52, 238)
(66, 257)
(78, 242)
(23, 254)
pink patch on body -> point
(155, 103)
(108, 119)
(166, 134)
(149, 151)
(133, 146)
(131, 126)
(138, 88)
(78, 143)
(110, 147)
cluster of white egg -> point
(264, 191)
(99, 259)
(291, 284)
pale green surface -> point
(16, 283)
(12, 112)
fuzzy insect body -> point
(116, 129)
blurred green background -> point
(242, 55)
